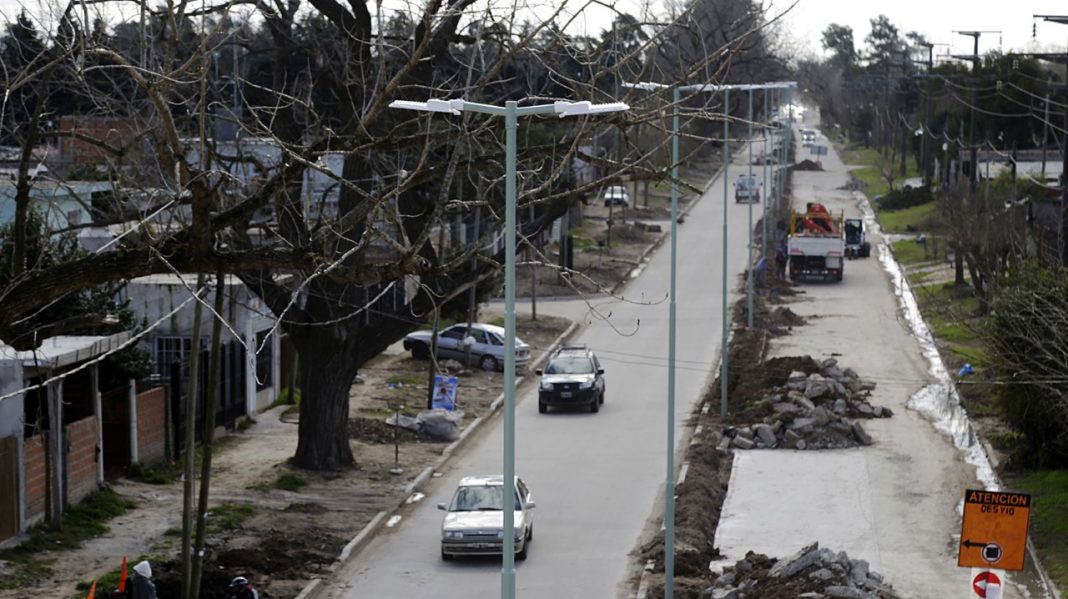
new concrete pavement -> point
(894, 503)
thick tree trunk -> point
(329, 366)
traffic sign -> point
(987, 584)
(994, 530)
(819, 150)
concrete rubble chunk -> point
(858, 571)
(786, 408)
(840, 406)
(850, 373)
(745, 433)
(833, 371)
(725, 594)
(816, 388)
(864, 409)
(801, 423)
(860, 434)
(726, 580)
(837, 388)
(742, 443)
(842, 592)
(765, 434)
(724, 443)
(822, 575)
(866, 385)
(819, 417)
(804, 403)
(824, 365)
(877, 411)
(791, 438)
(801, 444)
(787, 567)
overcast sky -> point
(937, 19)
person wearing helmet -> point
(241, 589)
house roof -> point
(65, 350)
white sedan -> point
(474, 519)
(486, 342)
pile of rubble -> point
(809, 573)
(817, 410)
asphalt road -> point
(596, 478)
(895, 503)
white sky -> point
(937, 19)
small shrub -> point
(899, 199)
(290, 481)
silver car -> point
(486, 341)
(474, 522)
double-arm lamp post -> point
(677, 91)
(511, 112)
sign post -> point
(993, 532)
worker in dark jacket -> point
(241, 589)
(141, 586)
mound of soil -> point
(785, 317)
(807, 165)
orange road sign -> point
(993, 533)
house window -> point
(170, 350)
(264, 359)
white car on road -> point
(474, 519)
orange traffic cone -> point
(92, 591)
(122, 576)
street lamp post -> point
(511, 112)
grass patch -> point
(1049, 519)
(286, 481)
(284, 399)
(81, 522)
(910, 220)
(229, 516)
(908, 252)
(158, 474)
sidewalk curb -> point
(353, 548)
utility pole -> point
(926, 114)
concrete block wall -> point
(152, 425)
(36, 476)
(81, 459)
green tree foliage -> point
(1027, 324)
(838, 39)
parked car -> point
(486, 341)
(747, 188)
(474, 519)
(616, 195)
(573, 377)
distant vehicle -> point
(474, 519)
(573, 377)
(816, 246)
(487, 345)
(616, 195)
(856, 244)
(808, 137)
(747, 189)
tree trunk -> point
(329, 365)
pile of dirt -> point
(275, 556)
(785, 317)
(698, 505)
(807, 165)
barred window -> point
(170, 350)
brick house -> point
(105, 424)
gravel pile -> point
(811, 573)
(818, 410)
